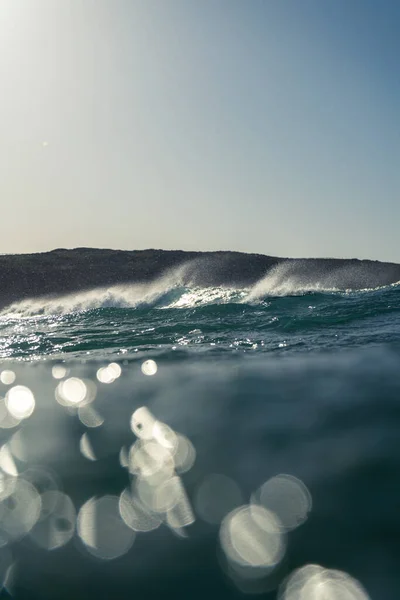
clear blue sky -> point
(267, 126)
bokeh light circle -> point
(56, 524)
(102, 530)
(20, 402)
(7, 377)
(149, 367)
(135, 514)
(89, 416)
(20, 511)
(184, 454)
(147, 458)
(287, 497)
(109, 373)
(86, 447)
(142, 423)
(313, 582)
(59, 371)
(251, 536)
(75, 392)
(7, 421)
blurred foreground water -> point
(268, 464)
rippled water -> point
(210, 321)
(265, 388)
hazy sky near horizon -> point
(268, 126)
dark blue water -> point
(262, 382)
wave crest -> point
(177, 290)
(295, 278)
(165, 293)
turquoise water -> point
(262, 382)
(118, 324)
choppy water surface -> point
(121, 322)
(243, 441)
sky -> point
(269, 126)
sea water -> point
(274, 416)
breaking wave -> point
(174, 291)
(297, 278)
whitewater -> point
(285, 311)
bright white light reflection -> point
(7, 377)
(181, 514)
(109, 374)
(313, 582)
(86, 447)
(287, 497)
(149, 367)
(157, 489)
(142, 423)
(124, 457)
(146, 492)
(7, 421)
(104, 375)
(20, 402)
(135, 515)
(165, 436)
(168, 494)
(75, 392)
(58, 371)
(148, 458)
(7, 463)
(102, 529)
(184, 454)
(7, 485)
(115, 369)
(215, 497)
(292, 586)
(251, 536)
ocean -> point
(168, 441)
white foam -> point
(296, 278)
(119, 296)
(177, 289)
(286, 280)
